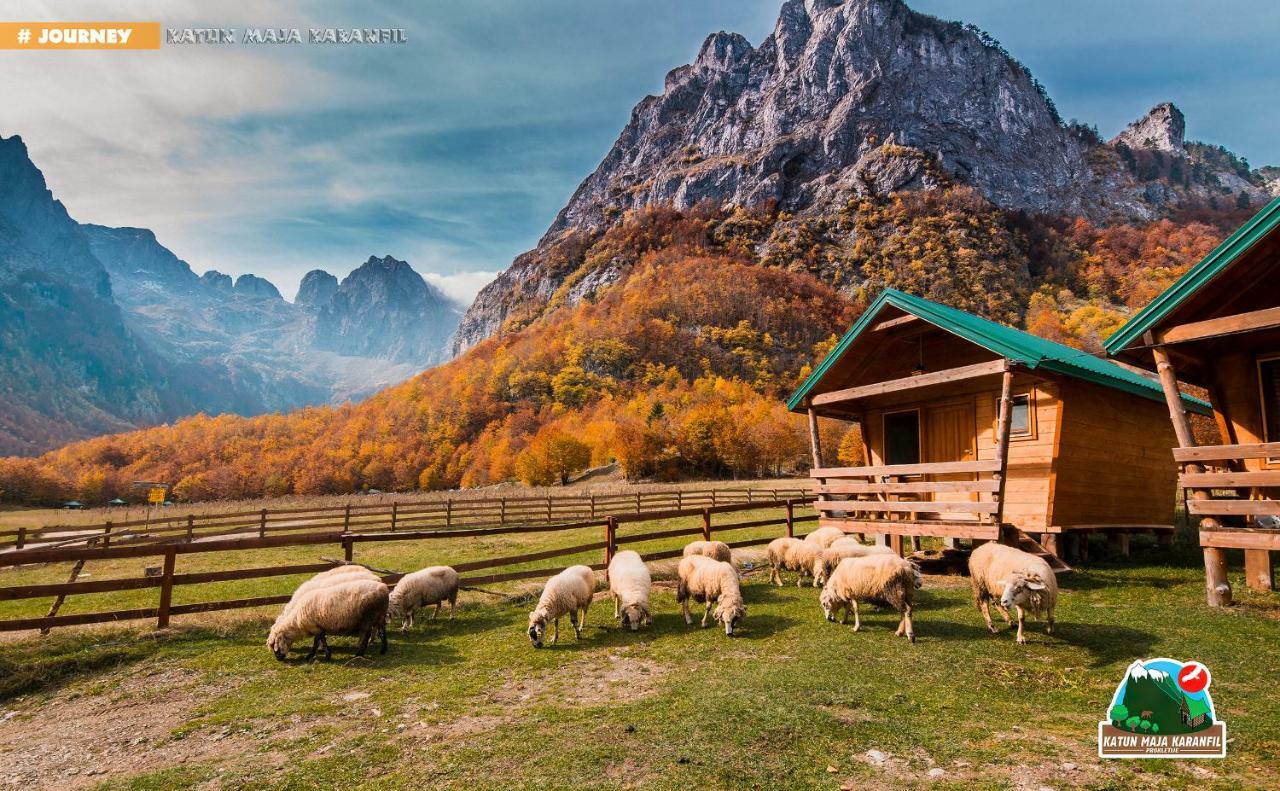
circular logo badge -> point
(1193, 677)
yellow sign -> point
(79, 35)
(156, 495)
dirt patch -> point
(124, 725)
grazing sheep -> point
(433, 585)
(629, 584)
(716, 550)
(880, 579)
(1012, 578)
(354, 606)
(792, 554)
(712, 582)
(838, 551)
(824, 536)
(567, 593)
(342, 573)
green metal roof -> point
(1213, 264)
(1023, 348)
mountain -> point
(385, 310)
(856, 99)
(1155, 691)
(105, 329)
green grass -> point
(469, 704)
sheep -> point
(433, 585)
(824, 536)
(712, 582)
(567, 593)
(341, 573)
(356, 606)
(629, 584)
(792, 554)
(1012, 578)
(716, 550)
(838, 551)
(880, 579)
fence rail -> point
(612, 536)
(394, 516)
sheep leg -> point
(582, 621)
(555, 630)
(315, 646)
(363, 645)
(706, 614)
(382, 633)
(453, 602)
(1004, 613)
(1048, 629)
(684, 608)
(408, 622)
(436, 614)
(844, 612)
(774, 576)
(904, 626)
(617, 611)
(1021, 617)
(985, 608)
(857, 616)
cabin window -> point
(902, 437)
(1022, 419)
(1269, 385)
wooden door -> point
(950, 434)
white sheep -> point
(838, 551)
(356, 606)
(792, 554)
(1012, 578)
(629, 584)
(824, 536)
(885, 580)
(567, 593)
(433, 585)
(714, 583)
(342, 573)
(716, 550)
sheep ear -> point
(1035, 586)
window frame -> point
(1032, 429)
(1267, 428)
(884, 433)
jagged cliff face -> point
(844, 100)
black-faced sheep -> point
(629, 584)
(824, 536)
(567, 593)
(347, 607)
(1012, 578)
(792, 554)
(716, 550)
(882, 580)
(434, 585)
(714, 583)
(838, 551)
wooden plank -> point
(912, 382)
(520, 575)
(898, 322)
(936, 468)
(682, 531)
(906, 487)
(912, 528)
(76, 588)
(1229, 480)
(910, 506)
(228, 604)
(22, 624)
(201, 577)
(1256, 450)
(1241, 538)
(779, 521)
(1234, 507)
(513, 560)
(1253, 321)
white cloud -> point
(461, 287)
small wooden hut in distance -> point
(1218, 327)
(971, 426)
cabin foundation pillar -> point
(1119, 542)
(895, 543)
(1216, 586)
(1258, 569)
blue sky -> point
(455, 151)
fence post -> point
(706, 524)
(593, 506)
(679, 500)
(610, 535)
(548, 509)
(448, 512)
(106, 536)
(22, 538)
(502, 513)
(166, 588)
(191, 528)
(791, 526)
(748, 495)
(346, 519)
(348, 548)
(637, 502)
(262, 524)
(713, 498)
(395, 513)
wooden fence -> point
(615, 530)
(393, 516)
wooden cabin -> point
(1218, 328)
(970, 426)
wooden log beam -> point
(815, 441)
(1253, 450)
(889, 324)
(909, 507)
(983, 530)
(1258, 569)
(1253, 321)
(1003, 427)
(912, 382)
(934, 468)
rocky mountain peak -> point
(216, 281)
(1161, 129)
(256, 287)
(316, 290)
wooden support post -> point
(346, 519)
(22, 538)
(749, 496)
(191, 528)
(1119, 541)
(637, 502)
(815, 441)
(679, 500)
(262, 524)
(395, 515)
(348, 548)
(106, 536)
(791, 525)
(502, 512)
(1164, 539)
(1003, 425)
(895, 543)
(548, 508)
(706, 524)
(1258, 569)
(448, 512)
(713, 498)
(1217, 588)
(166, 588)
(593, 506)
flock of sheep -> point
(352, 600)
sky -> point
(455, 151)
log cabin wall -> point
(1114, 465)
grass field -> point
(794, 702)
